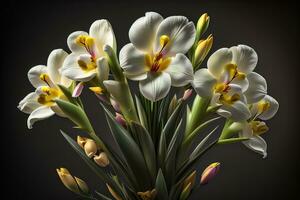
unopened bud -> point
(78, 89)
(202, 24)
(202, 49)
(90, 148)
(148, 195)
(190, 179)
(113, 193)
(74, 184)
(101, 159)
(187, 94)
(115, 105)
(209, 173)
(120, 119)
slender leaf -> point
(76, 114)
(147, 148)
(161, 187)
(67, 92)
(141, 112)
(102, 196)
(130, 150)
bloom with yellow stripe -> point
(155, 56)
(40, 104)
(225, 81)
(87, 59)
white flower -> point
(155, 56)
(87, 59)
(226, 80)
(40, 104)
(263, 110)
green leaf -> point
(232, 140)
(67, 92)
(190, 137)
(130, 150)
(102, 196)
(141, 112)
(161, 187)
(186, 192)
(76, 114)
(162, 149)
(170, 165)
(147, 147)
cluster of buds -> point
(73, 183)
(92, 151)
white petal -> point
(257, 87)
(72, 70)
(103, 34)
(72, 42)
(203, 83)
(180, 70)
(143, 30)
(257, 144)
(238, 111)
(103, 69)
(34, 75)
(245, 57)
(133, 62)
(77, 74)
(29, 103)
(38, 114)
(218, 60)
(54, 63)
(181, 33)
(114, 88)
(156, 86)
(274, 106)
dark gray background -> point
(31, 30)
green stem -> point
(198, 113)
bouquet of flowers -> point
(160, 138)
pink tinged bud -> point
(78, 89)
(120, 119)
(187, 94)
(102, 98)
(115, 105)
(209, 173)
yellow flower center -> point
(258, 127)
(87, 66)
(225, 98)
(233, 73)
(97, 90)
(262, 106)
(48, 95)
(158, 62)
(87, 42)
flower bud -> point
(209, 173)
(190, 179)
(90, 148)
(68, 180)
(78, 89)
(82, 185)
(81, 141)
(187, 94)
(120, 119)
(113, 193)
(102, 159)
(148, 195)
(202, 49)
(115, 105)
(202, 25)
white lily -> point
(155, 57)
(226, 80)
(265, 109)
(40, 104)
(87, 59)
